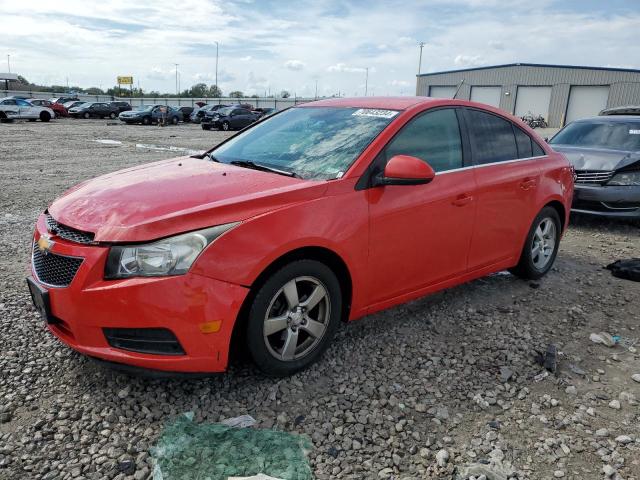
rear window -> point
(492, 137)
(623, 136)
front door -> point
(420, 234)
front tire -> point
(174, 120)
(86, 115)
(225, 126)
(45, 116)
(112, 115)
(146, 120)
(541, 247)
(293, 317)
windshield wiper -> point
(264, 168)
(212, 157)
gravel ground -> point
(444, 387)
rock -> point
(442, 457)
(615, 404)
(636, 377)
(602, 432)
(571, 390)
(505, 374)
(558, 474)
(624, 439)
(124, 393)
(609, 471)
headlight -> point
(170, 256)
(626, 178)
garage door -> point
(534, 101)
(442, 92)
(586, 102)
(488, 95)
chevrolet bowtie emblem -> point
(45, 244)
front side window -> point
(492, 138)
(433, 137)
(317, 143)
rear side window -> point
(537, 150)
(524, 143)
(433, 137)
(492, 137)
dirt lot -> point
(444, 387)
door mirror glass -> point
(405, 170)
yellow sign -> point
(125, 80)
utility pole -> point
(421, 44)
(8, 63)
(366, 81)
(316, 96)
(217, 90)
(176, 79)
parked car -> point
(121, 106)
(58, 109)
(186, 113)
(94, 110)
(148, 114)
(264, 112)
(320, 214)
(605, 152)
(229, 118)
(19, 109)
(198, 115)
(63, 100)
(72, 104)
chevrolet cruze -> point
(319, 214)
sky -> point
(266, 46)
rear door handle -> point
(528, 183)
(462, 200)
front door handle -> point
(528, 183)
(462, 200)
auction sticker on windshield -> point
(373, 112)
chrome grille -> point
(68, 233)
(593, 176)
(54, 270)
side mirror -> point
(546, 139)
(405, 170)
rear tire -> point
(541, 246)
(112, 115)
(45, 116)
(86, 115)
(146, 120)
(293, 317)
(206, 127)
(174, 120)
(225, 126)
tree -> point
(94, 91)
(236, 94)
(214, 91)
(284, 94)
(198, 90)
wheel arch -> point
(562, 213)
(322, 254)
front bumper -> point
(607, 201)
(181, 304)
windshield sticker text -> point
(634, 132)
(371, 112)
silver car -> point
(19, 109)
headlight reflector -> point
(625, 178)
(169, 256)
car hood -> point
(173, 196)
(597, 159)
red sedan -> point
(318, 214)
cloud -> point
(468, 60)
(400, 83)
(295, 65)
(341, 67)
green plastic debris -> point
(188, 450)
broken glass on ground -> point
(188, 450)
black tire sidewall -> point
(146, 121)
(526, 267)
(225, 126)
(45, 117)
(263, 296)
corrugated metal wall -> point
(625, 86)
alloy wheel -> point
(544, 243)
(297, 318)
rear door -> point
(507, 175)
(420, 234)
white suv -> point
(17, 108)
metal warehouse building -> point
(560, 93)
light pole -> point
(366, 81)
(421, 44)
(217, 46)
(176, 79)
(8, 63)
(316, 96)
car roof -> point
(392, 103)
(611, 119)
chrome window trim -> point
(490, 164)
